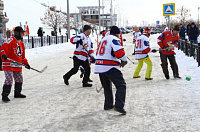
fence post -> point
(62, 38)
(67, 37)
(186, 48)
(49, 40)
(179, 43)
(32, 42)
(56, 39)
(41, 41)
(191, 49)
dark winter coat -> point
(182, 32)
(188, 28)
(40, 32)
(193, 32)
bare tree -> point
(183, 14)
(54, 18)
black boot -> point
(6, 92)
(18, 89)
(120, 110)
(89, 80)
(66, 80)
(87, 85)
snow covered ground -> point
(152, 106)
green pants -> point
(149, 63)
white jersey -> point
(107, 33)
(136, 35)
(80, 52)
(142, 47)
(166, 29)
(109, 54)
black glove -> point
(123, 63)
(154, 50)
(93, 60)
(27, 67)
(80, 42)
(163, 47)
(4, 57)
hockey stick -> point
(99, 89)
(130, 60)
(30, 67)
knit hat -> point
(114, 30)
(176, 28)
(86, 27)
(136, 29)
(1, 25)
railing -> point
(190, 49)
(34, 41)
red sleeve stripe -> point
(143, 52)
(71, 40)
(146, 51)
(120, 53)
(106, 62)
(91, 51)
(81, 53)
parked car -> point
(156, 31)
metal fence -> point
(190, 49)
(34, 41)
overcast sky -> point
(136, 12)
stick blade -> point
(43, 69)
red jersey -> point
(167, 39)
(14, 50)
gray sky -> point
(136, 12)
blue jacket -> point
(182, 32)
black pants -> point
(74, 70)
(116, 77)
(172, 62)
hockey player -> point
(14, 50)
(84, 48)
(107, 65)
(142, 48)
(136, 35)
(167, 40)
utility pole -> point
(111, 23)
(103, 13)
(99, 18)
(68, 21)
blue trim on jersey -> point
(116, 42)
(162, 35)
(146, 43)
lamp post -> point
(198, 16)
(68, 21)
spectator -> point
(165, 28)
(188, 28)
(193, 33)
(1, 41)
(40, 32)
(8, 33)
(182, 32)
(60, 30)
(52, 33)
